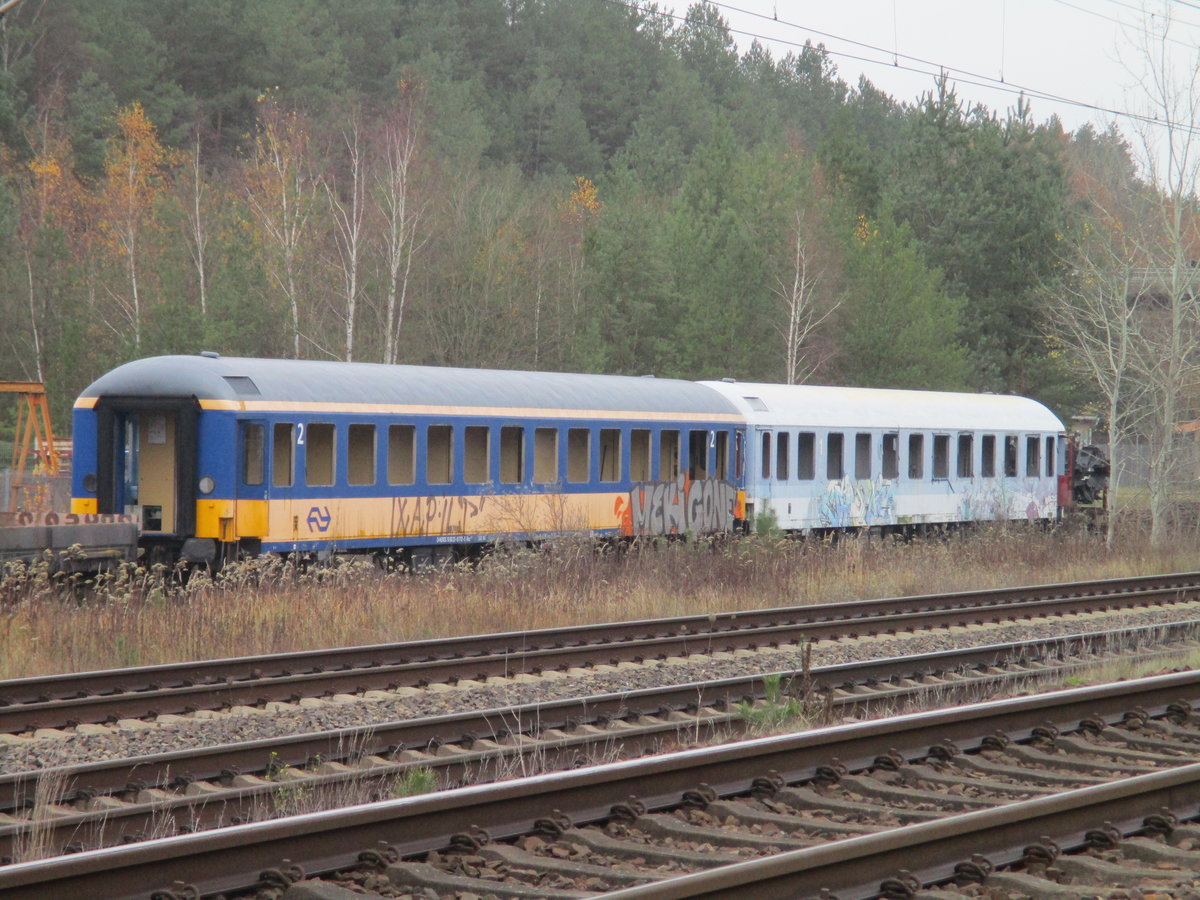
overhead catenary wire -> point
(916, 65)
(1129, 26)
(961, 76)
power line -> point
(935, 70)
(1188, 45)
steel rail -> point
(220, 762)
(231, 859)
(854, 869)
(110, 695)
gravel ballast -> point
(45, 748)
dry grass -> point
(267, 606)
(35, 841)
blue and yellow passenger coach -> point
(218, 455)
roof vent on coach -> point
(243, 385)
(729, 380)
(210, 354)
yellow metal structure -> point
(34, 434)
(34, 431)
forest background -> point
(580, 185)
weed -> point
(777, 710)
(418, 780)
(34, 842)
(145, 615)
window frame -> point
(835, 462)
(941, 457)
(314, 436)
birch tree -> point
(134, 180)
(347, 204)
(800, 303)
(401, 210)
(193, 198)
(1093, 318)
(49, 197)
(1168, 345)
(281, 189)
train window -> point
(439, 454)
(610, 454)
(862, 456)
(966, 450)
(512, 454)
(987, 465)
(476, 454)
(639, 454)
(579, 461)
(721, 469)
(668, 455)
(833, 456)
(916, 456)
(891, 455)
(360, 456)
(283, 454)
(806, 456)
(781, 456)
(766, 454)
(1010, 456)
(698, 454)
(941, 456)
(402, 454)
(1033, 459)
(1049, 457)
(319, 459)
(254, 452)
(545, 455)
(739, 454)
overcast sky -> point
(1080, 50)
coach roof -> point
(811, 406)
(262, 383)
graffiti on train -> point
(678, 507)
(436, 515)
(26, 518)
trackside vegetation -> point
(267, 605)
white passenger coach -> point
(828, 458)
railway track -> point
(122, 800)
(138, 693)
(1003, 793)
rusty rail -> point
(232, 859)
(107, 695)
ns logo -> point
(319, 519)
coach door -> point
(253, 479)
(147, 463)
(152, 439)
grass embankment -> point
(265, 606)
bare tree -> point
(347, 203)
(394, 197)
(280, 191)
(1169, 328)
(20, 42)
(134, 179)
(193, 194)
(803, 316)
(1091, 314)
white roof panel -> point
(813, 406)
